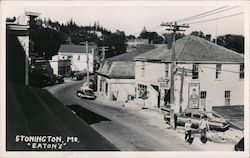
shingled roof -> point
(118, 69)
(76, 48)
(123, 66)
(192, 48)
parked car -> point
(41, 80)
(240, 145)
(85, 92)
(215, 122)
(58, 79)
(79, 75)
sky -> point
(133, 18)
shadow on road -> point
(86, 115)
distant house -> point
(206, 75)
(116, 76)
(17, 52)
(137, 41)
(77, 54)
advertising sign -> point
(193, 95)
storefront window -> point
(142, 89)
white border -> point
(233, 154)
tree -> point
(233, 42)
(131, 37)
(198, 34)
(116, 43)
(153, 37)
(46, 41)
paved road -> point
(128, 131)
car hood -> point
(218, 120)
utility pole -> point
(173, 27)
(181, 90)
(87, 52)
(103, 52)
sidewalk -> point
(218, 141)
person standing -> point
(204, 127)
(188, 130)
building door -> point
(166, 97)
(203, 99)
(106, 88)
(227, 98)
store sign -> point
(164, 83)
(193, 95)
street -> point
(129, 131)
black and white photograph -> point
(124, 79)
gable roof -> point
(118, 69)
(140, 49)
(192, 48)
(76, 48)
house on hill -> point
(77, 54)
(116, 76)
(206, 75)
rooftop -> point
(118, 69)
(76, 48)
(191, 48)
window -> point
(142, 90)
(218, 71)
(203, 94)
(106, 88)
(143, 68)
(100, 88)
(241, 71)
(79, 57)
(166, 70)
(227, 97)
(195, 71)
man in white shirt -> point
(203, 127)
(188, 129)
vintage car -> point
(215, 122)
(85, 92)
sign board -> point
(193, 95)
(164, 83)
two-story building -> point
(116, 76)
(77, 54)
(206, 75)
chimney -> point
(208, 37)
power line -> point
(201, 14)
(223, 17)
(211, 13)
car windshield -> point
(88, 92)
